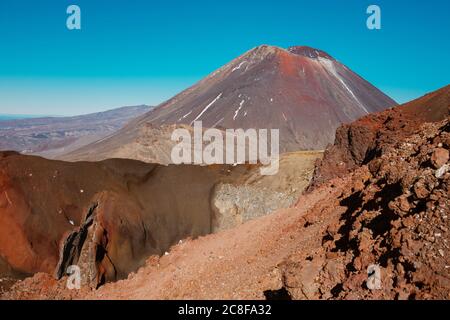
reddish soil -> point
(49, 209)
(391, 212)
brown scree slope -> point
(392, 212)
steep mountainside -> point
(302, 91)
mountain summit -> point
(302, 91)
(309, 52)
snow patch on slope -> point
(239, 66)
(206, 108)
(215, 124)
(329, 66)
(184, 117)
(238, 109)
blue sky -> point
(135, 51)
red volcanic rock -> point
(439, 157)
(374, 221)
(361, 141)
(387, 219)
(420, 190)
(108, 217)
